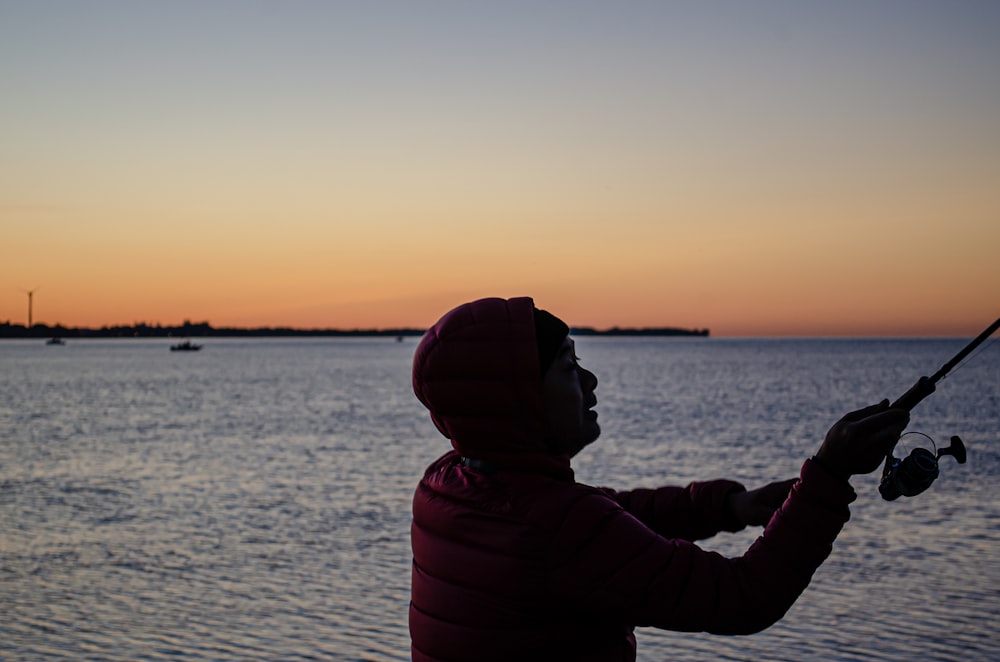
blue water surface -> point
(252, 501)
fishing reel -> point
(915, 473)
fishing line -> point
(926, 385)
(979, 350)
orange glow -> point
(762, 188)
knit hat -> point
(550, 332)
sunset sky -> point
(756, 168)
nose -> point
(588, 380)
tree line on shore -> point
(204, 330)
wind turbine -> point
(30, 294)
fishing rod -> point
(915, 473)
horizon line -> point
(196, 329)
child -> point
(515, 560)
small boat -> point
(55, 341)
(186, 346)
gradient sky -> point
(757, 168)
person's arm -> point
(605, 562)
(695, 512)
(703, 509)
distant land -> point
(206, 330)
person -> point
(515, 560)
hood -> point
(477, 372)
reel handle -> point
(956, 450)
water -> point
(252, 501)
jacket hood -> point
(477, 372)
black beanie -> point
(550, 332)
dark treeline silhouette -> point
(642, 331)
(204, 330)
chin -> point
(591, 438)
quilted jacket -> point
(515, 560)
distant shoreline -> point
(206, 330)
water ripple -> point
(253, 502)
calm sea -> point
(252, 501)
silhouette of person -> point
(515, 560)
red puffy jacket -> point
(514, 560)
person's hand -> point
(754, 508)
(857, 443)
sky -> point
(770, 168)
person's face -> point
(568, 392)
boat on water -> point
(186, 346)
(55, 341)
